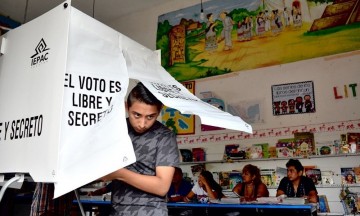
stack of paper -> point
(268, 200)
(294, 200)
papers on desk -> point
(295, 200)
(263, 200)
(281, 199)
(233, 200)
(226, 201)
(270, 200)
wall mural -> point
(242, 35)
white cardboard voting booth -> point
(63, 82)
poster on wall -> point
(232, 35)
(293, 98)
(181, 124)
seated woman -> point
(205, 188)
(251, 186)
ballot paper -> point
(143, 65)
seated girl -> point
(206, 188)
(251, 186)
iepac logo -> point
(41, 54)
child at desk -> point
(205, 188)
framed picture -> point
(323, 204)
(293, 98)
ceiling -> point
(104, 10)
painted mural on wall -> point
(243, 35)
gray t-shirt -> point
(156, 147)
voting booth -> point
(63, 81)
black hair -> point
(295, 163)
(213, 184)
(142, 94)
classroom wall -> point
(338, 70)
(325, 72)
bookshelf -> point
(269, 159)
(323, 162)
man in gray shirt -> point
(140, 188)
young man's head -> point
(143, 108)
(294, 169)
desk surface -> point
(244, 205)
(221, 208)
(218, 205)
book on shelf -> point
(272, 152)
(198, 154)
(315, 175)
(284, 148)
(234, 178)
(232, 152)
(347, 175)
(255, 152)
(308, 167)
(186, 155)
(304, 144)
(280, 173)
(351, 203)
(325, 148)
(268, 177)
(224, 180)
(349, 143)
(357, 202)
(353, 140)
(323, 205)
(357, 174)
(327, 177)
(344, 146)
(261, 150)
